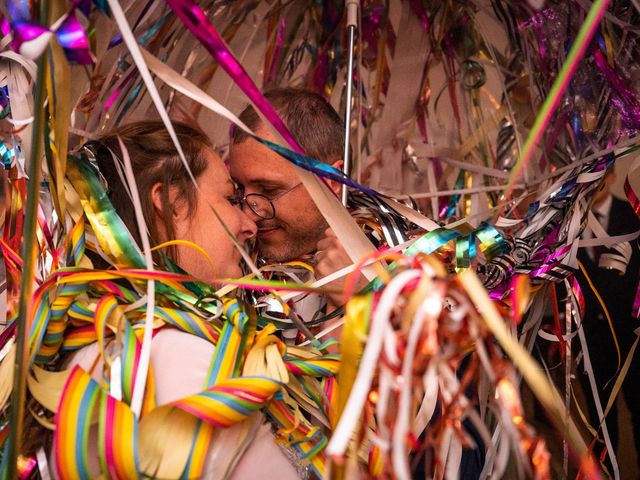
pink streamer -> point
(201, 28)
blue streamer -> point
(314, 166)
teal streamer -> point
(431, 241)
(105, 222)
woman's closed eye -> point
(236, 200)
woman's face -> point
(216, 192)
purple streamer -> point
(70, 35)
(19, 10)
(83, 5)
(73, 40)
(277, 51)
(626, 101)
(555, 257)
(5, 27)
(116, 93)
(25, 32)
(636, 304)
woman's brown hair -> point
(155, 160)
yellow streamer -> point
(606, 313)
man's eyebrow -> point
(265, 181)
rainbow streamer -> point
(112, 234)
(104, 310)
(307, 440)
(77, 244)
(131, 349)
(199, 449)
(189, 322)
(578, 49)
(229, 401)
(73, 419)
(229, 349)
(117, 439)
(325, 366)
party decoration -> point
(502, 120)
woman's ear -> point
(158, 210)
(156, 198)
(336, 186)
(162, 202)
(164, 209)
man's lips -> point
(264, 232)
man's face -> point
(298, 225)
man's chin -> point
(278, 253)
(273, 255)
(279, 245)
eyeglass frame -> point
(271, 201)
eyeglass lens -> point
(260, 205)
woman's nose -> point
(248, 227)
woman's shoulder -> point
(180, 363)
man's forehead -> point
(262, 179)
(267, 170)
(252, 154)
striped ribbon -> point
(324, 366)
(189, 322)
(64, 319)
(57, 322)
(73, 420)
(229, 349)
(229, 401)
(76, 243)
(198, 452)
(112, 234)
(117, 439)
(307, 440)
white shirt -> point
(180, 363)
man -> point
(298, 225)
(290, 225)
(297, 229)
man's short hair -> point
(312, 121)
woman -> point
(174, 209)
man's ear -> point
(336, 186)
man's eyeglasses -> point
(262, 205)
